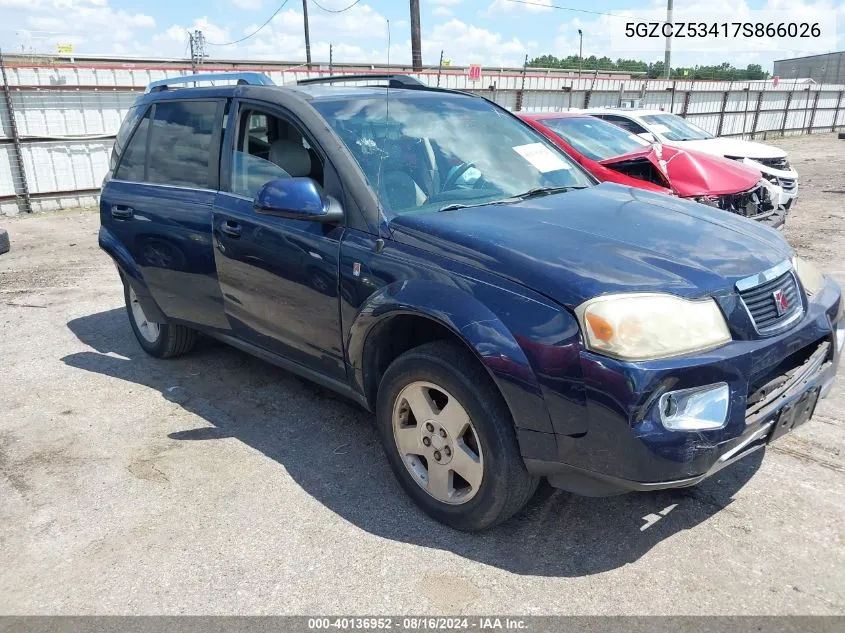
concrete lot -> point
(216, 483)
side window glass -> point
(180, 143)
(131, 165)
(269, 148)
(627, 124)
(129, 121)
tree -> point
(654, 70)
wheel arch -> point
(408, 314)
(130, 273)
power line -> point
(554, 6)
(319, 6)
(246, 37)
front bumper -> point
(626, 448)
(785, 179)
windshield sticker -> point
(541, 157)
(659, 128)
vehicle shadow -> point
(330, 448)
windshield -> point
(674, 128)
(594, 138)
(434, 152)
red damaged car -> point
(613, 154)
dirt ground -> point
(217, 484)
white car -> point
(670, 129)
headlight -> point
(811, 277)
(648, 326)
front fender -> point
(471, 321)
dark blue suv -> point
(427, 254)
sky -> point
(492, 33)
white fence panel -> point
(65, 166)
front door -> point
(279, 277)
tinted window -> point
(131, 165)
(181, 143)
(675, 128)
(428, 152)
(625, 124)
(123, 134)
(594, 138)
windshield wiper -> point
(460, 205)
(546, 191)
(531, 193)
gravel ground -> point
(217, 484)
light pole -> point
(580, 51)
(667, 56)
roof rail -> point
(395, 80)
(251, 79)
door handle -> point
(121, 212)
(232, 229)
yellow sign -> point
(447, 62)
(64, 48)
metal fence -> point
(57, 122)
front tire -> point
(162, 340)
(450, 439)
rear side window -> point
(131, 165)
(181, 143)
(625, 123)
(123, 134)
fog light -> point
(697, 409)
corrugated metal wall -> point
(67, 116)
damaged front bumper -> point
(760, 203)
(774, 386)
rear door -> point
(158, 203)
(279, 277)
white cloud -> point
(442, 11)
(465, 44)
(248, 5)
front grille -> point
(774, 163)
(762, 303)
(788, 184)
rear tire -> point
(4, 241)
(162, 340)
(467, 415)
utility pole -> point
(197, 41)
(416, 49)
(580, 51)
(331, 57)
(667, 58)
(439, 68)
(307, 35)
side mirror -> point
(647, 136)
(297, 199)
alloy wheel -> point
(147, 329)
(437, 442)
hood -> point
(693, 173)
(609, 238)
(723, 146)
